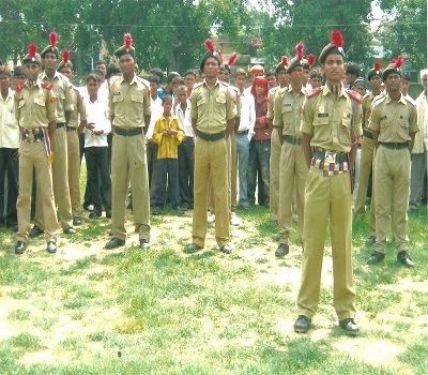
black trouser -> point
(166, 169)
(152, 150)
(185, 171)
(99, 184)
(9, 191)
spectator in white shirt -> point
(157, 111)
(9, 144)
(96, 149)
(244, 134)
(185, 149)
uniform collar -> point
(217, 83)
(10, 94)
(302, 90)
(44, 76)
(326, 91)
(401, 100)
(134, 80)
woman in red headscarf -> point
(258, 162)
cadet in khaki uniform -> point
(367, 152)
(129, 105)
(293, 169)
(79, 114)
(331, 124)
(213, 112)
(62, 89)
(35, 107)
(394, 123)
(275, 148)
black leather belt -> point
(60, 125)
(368, 134)
(210, 137)
(243, 132)
(128, 132)
(71, 128)
(395, 146)
(30, 135)
(292, 140)
(320, 154)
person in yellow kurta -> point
(168, 134)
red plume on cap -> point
(53, 38)
(312, 59)
(127, 40)
(337, 38)
(299, 51)
(232, 59)
(399, 62)
(66, 56)
(284, 60)
(209, 45)
(377, 67)
(32, 50)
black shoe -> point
(376, 257)
(94, 214)
(20, 247)
(77, 221)
(302, 324)
(144, 244)
(349, 326)
(227, 248)
(404, 258)
(70, 230)
(36, 231)
(108, 214)
(192, 248)
(371, 240)
(282, 250)
(114, 243)
(51, 247)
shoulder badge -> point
(314, 92)
(46, 85)
(378, 99)
(410, 100)
(355, 96)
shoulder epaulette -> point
(314, 92)
(378, 99)
(46, 85)
(410, 100)
(355, 96)
(197, 85)
(20, 86)
(273, 90)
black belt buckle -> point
(128, 132)
(60, 125)
(292, 140)
(243, 132)
(32, 136)
(395, 145)
(70, 128)
(367, 134)
(210, 137)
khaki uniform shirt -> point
(79, 109)
(9, 131)
(271, 102)
(62, 89)
(332, 123)
(129, 103)
(35, 106)
(212, 107)
(393, 120)
(288, 111)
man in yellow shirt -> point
(168, 135)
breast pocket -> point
(321, 126)
(40, 100)
(404, 126)
(286, 114)
(117, 98)
(138, 98)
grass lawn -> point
(89, 311)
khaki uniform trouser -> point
(211, 167)
(292, 177)
(368, 153)
(233, 172)
(74, 171)
(33, 156)
(327, 197)
(392, 188)
(129, 163)
(60, 183)
(275, 154)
